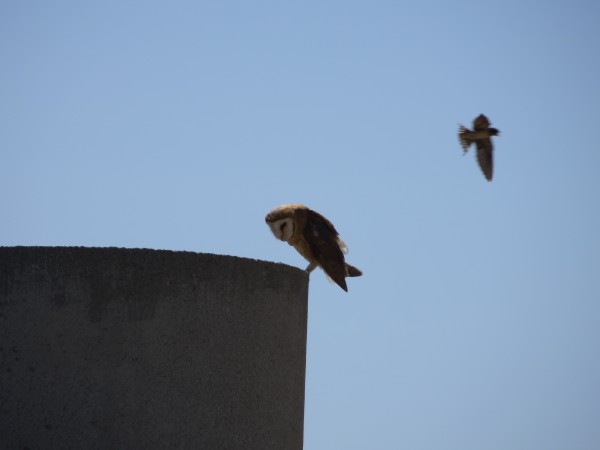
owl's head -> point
(283, 229)
(282, 221)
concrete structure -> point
(110, 348)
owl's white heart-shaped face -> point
(282, 229)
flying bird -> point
(315, 238)
(481, 135)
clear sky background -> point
(179, 125)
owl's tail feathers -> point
(353, 271)
(463, 138)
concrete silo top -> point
(137, 348)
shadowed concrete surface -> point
(141, 349)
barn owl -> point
(481, 135)
(315, 238)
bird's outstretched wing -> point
(481, 123)
(485, 157)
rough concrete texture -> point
(142, 349)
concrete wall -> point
(115, 348)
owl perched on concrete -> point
(481, 135)
(315, 238)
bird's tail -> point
(462, 137)
(353, 271)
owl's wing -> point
(322, 239)
(481, 123)
(485, 157)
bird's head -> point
(282, 221)
(494, 131)
(283, 229)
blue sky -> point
(179, 125)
